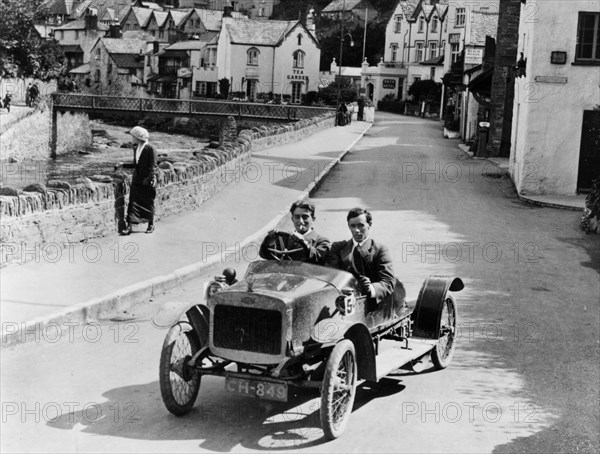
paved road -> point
(525, 373)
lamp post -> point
(342, 36)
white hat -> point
(140, 133)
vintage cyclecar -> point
(292, 324)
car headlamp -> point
(214, 287)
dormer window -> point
(298, 59)
(434, 24)
(252, 56)
(421, 25)
(299, 39)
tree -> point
(23, 52)
(425, 90)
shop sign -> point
(389, 83)
(473, 56)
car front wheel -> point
(179, 383)
(339, 389)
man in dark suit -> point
(303, 218)
(367, 260)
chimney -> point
(114, 31)
(310, 22)
(227, 9)
(91, 21)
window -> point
(394, 54)
(397, 23)
(252, 57)
(460, 17)
(421, 25)
(433, 49)
(298, 59)
(454, 50)
(62, 35)
(76, 34)
(200, 89)
(299, 39)
(418, 51)
(588, 38)
(432, 73)
(97, 76)
(434, 24)
(109, 68)
(416, 79)
(161, 34)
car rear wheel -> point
(339, 389)
(179, 383)
(442, 354)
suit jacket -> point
(376, 264)
(317, 247)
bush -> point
(590, 222)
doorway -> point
(589, 150)
(370, 90)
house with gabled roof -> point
(266, 58)
(117, 67)
(192, 24)
(355, 10)
(77, 38)
(157, 26)
(136, 18)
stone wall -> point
(503, 79)
(30, 137)
(40, 216)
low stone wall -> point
(48, 217)
(30, 137)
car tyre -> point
(441, 355)
(179, 383)
(339, 389)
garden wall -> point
(61, 213)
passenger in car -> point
(367, 260)
(303, 218)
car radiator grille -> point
(248, 329)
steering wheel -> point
(277, 247)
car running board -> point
(393, 354)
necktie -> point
(358, 260)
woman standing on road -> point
(143, 182)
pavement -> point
(568, 202)
(50, 287)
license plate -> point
(257, 388)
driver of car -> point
(368, 260)
(303, 218)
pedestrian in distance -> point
(6, 102)
(34, 92)
(142, 192)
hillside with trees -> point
(328, 30)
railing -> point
(67, 101)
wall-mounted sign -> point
(298, 74)
(454, 38)
(389, 83)
(558, 58)
(551, 79)
(184, 72)
(473, 56)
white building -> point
(555, 144)
(260, 57)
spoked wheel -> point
(441, 355)
(339, 389)
(179, 383)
